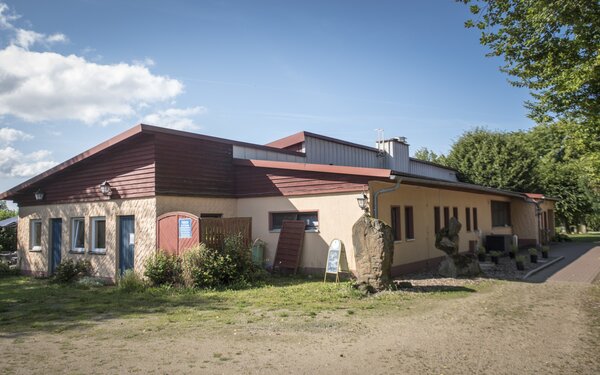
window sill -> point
(501, 226)
(397, 241)
(36, 249)
(77, 251)
(305, 231)
(98, 252)
(410, 240)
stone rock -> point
(459, 265)
(447, 238)
(373, 242)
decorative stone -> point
(373, 242)
(455, 264)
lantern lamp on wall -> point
(363, 202)
(106, 189)
(39, 195)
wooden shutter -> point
(289, 246)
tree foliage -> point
(5, 213)
(494, 159)
(426, 154)
(550, 47)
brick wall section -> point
(104, 266)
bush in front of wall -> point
(514, 249)
(163, 269)
(520, 262)
(495, 256)
(533, 255)
(204, 267)
(6, 270)
(545, 251)
(70, 270)
(481, 253)
(131, 282)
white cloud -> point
(175, 118)
(9, 135)
(13, 163)
(22, 37)
(145, 62)
(39, 86)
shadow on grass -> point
(438, 289)
(29, 305)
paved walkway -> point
(581, 263)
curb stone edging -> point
(536, 270)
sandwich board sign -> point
(336, 257)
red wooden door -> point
(177, 232)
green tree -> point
(426, 154)
(5, 213)
(550, 47)
(495, 159)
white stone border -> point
(536, 270)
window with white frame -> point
(78, 235)
(35, 234)
(98, 235)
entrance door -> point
(126, 242)
(55, 253)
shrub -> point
(131, 282)
(545, 249)
(481, 249)
(8, 239)
(70, 270)
(204, 267)
(514, 249)
(163, 269)
(532, 251)
(520, 259)
(90, 282)
(5, 270)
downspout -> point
(386, 190)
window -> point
(545, 220)
(475, 224)
(78, 235)
(35, 235)
(455, 212)
(210, 216)
(468, 218)
(311, 219)
(396, 223)
(446, 216)
(500, 214)
(98, 235)
(409, 228)
(436, 219)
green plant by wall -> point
(532, 251)
(204, 267)
(131, 282)
(70, 270)
(8, 239)
(164, 269)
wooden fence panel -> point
(213, 231)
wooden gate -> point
(213, 231)
(177, 232)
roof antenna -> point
(380, 149)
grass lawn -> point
(28, 304)
(588, 237)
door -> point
(55, 253)
(126, 242)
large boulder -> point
(455, 264)
(373, 242)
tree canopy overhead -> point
(551, 47)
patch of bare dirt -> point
(510, 328)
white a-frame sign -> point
(336, 259)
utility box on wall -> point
(177, 232)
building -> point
(103, 204)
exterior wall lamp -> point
(106, 189)
(363, 202)
(39, 195)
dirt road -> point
(510, 328)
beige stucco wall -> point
(105, 265)
(196, 205)
(337, 213)
(523, 216)
(423, 200)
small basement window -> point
(99, 235)
(35, 235)
(311, 220)
(78, 235)
(500, 214)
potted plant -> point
(495, 256)
(512, 253)
(545, 250)
(533, 255)
(481, 253)
(520, 262)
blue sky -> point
(74, 73)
